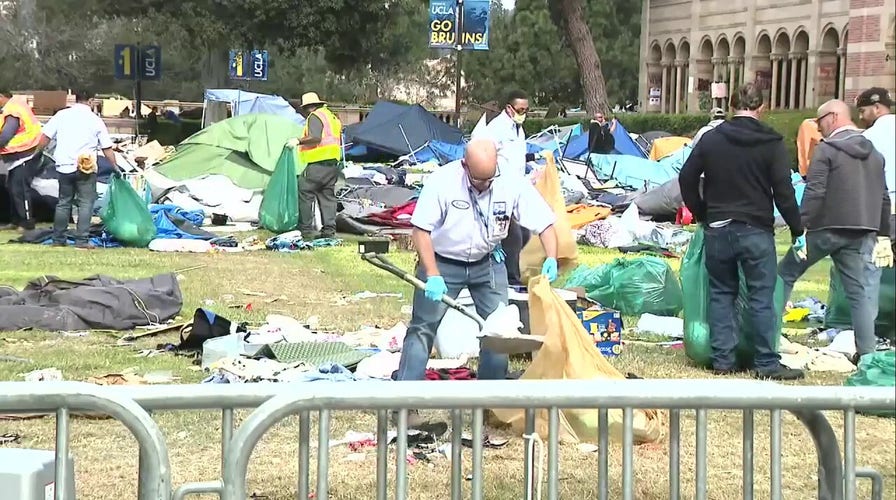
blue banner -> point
(249, 65)
(150, 62)
(442, 29)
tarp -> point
(396, 129)
(799, 188)
(96, 303)
(664, 146)
(245, 103)
(244, 149)
(577, 145)
(638, 173)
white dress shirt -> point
(467, 225)
(77, 131)
(510, 139)
(883, 135)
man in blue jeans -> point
(79, 134)
(462, 214)
(747, 172)
(846, 212)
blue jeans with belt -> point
(740, 246)
(852, 252)
(487, 282)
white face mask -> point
(519, 119)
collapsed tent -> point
(95, 303)
(577, 145)
(397, 130)
(244, 103)
(639, 173)
(244, 149)
(664, 146)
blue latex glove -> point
(499, 254)
(435, 288)
(549, 269)
(799, 247)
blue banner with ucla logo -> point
(442, 29)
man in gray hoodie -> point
(846, 213)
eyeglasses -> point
(520, 111)
(822, 117)
(474, 179)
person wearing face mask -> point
(506, 131)
(462, 215)
(846, 213)
(600, 135)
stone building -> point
(802, 52)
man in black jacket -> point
(746, 170)
(846, 212)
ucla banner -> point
(442, 29)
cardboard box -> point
(605, 326)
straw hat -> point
(311, 98)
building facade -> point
(802, 52)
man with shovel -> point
(462, 215)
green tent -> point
(245, 149)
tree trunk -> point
(569, 16)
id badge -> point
(500, 227)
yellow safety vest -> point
(330, 145)
(28, 135)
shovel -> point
(495, 332)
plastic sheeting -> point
(577, 145)
(638, 173)
(244, 103)
(632, 286)
(569, 353)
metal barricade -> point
(836, 479)
(66, 397)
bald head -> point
(482, 159)
(833, 115)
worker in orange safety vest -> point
(19, 158)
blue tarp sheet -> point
(577, 146)
(799, 186)
(167, 217)
(638, 173)
(245, 103)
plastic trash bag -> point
(126, 215)
(876, 369)
(838, 314)
(279, 210)
(632, 286)
(695, 280)
(569, 353)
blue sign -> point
(150, 62)
(442, 20)
(249, 65)
(125, 62)
(132, 62)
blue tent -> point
(392, 129)
(577, 146)
(631, 171)
(244, 103)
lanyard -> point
(474, 200)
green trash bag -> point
(632, 286)
(695, 280)
(876, 369)
(838, 314)
(126, 216)
(279, 210)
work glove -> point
(799, 246)
(549, 269)
(435, 288)
(499, 254)
(883, 252)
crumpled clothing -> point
(293, 242)
(816, 309)
(225, 242)
(330, 372)
(798, 356)
(599, 233)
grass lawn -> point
(106, 455)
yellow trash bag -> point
(569, 353)
(532, 255)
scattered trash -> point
(587, 448)
(365, 295)
(666, 326)
(45, 375)
(251, 293)
(10, 437)
(15, 359)
(74, 334)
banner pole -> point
(459, 48)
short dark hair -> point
(5, 93)
(514, 95)
(81, 96)
(748, 97)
